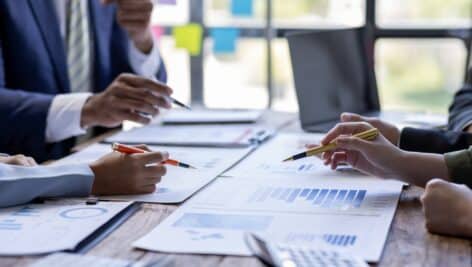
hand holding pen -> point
(135, 150)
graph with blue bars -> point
(288, 168)
(340, 240)
(320, 197)
(11, 223)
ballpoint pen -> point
(134, 150)
(367, 135)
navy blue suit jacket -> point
(33, 68)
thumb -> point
(352, 117)
(354, 143)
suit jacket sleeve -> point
(459, 165)
(434, 141)
(19, 185)
(23, 118)
(460, 112)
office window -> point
(218, 13)
(419, 74)
(424, 13)
(318, 13)
(236, 80)
(284, 98)
(178, 65)
(171, 15)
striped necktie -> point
(78, 46)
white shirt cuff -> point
(146, 65)
(64, 117)
(467, 125)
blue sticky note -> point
(224, 40)
(241, 7)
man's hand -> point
(448, 208)
(127, 97)
(19, 160)
(121, 174)
(390, 131)
(135, 17)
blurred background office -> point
(420, 52)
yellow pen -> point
(367, 135)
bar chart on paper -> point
(348, 214)
(320, 197)
(29, 229)
(340, 240)
(267, 160)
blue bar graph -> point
(9, 224)
(224, 221)
(340, 240)
(319, 197)
(26, 212)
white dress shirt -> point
(64, 116)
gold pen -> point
(367, 135)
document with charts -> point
(343, 212)
(53, 226)
(194, 135)
(179, 183)
(267, 160)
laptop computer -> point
(332, 76)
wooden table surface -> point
(408, 243)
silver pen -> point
(4, 155)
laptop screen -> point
(330, 73)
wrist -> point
(96, 186)
(87, 116)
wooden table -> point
(408, 244)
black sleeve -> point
(434, 141)
(460, 111)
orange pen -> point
(134, 150)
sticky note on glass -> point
(158, 31)
(224, 40)
(189, 37)
(242, 7)
(166, 2)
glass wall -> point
(413, 73)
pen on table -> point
(3, 155)
(134, 150)
(367, 135)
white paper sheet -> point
(179, 183)
(209, 116)
(76, 260)
(52, 226)
(267, 160)
(196, 135)
(347, 213)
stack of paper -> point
(209, 116)
(197, 135)
(343, 212)
(179, 183)
(52, 226)
(266, 161)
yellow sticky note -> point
(189, 37)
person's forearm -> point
(419, 168)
